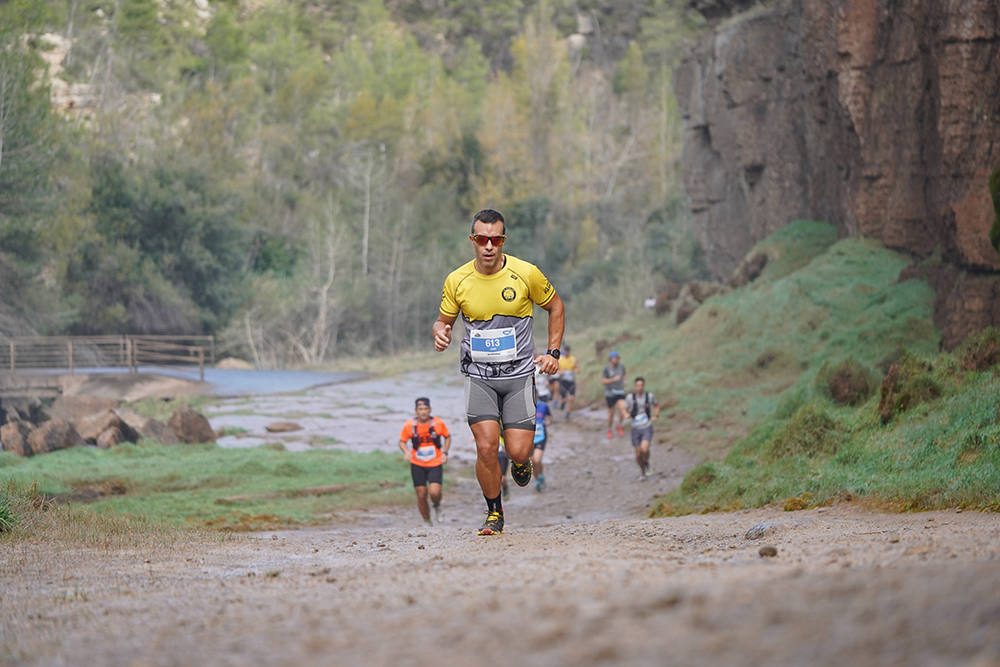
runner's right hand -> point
(442, 337)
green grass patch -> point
(8, 521)
(942, 451)
(757, 350)
(206, 485)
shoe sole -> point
(527, 479)
(490, 531)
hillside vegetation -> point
(298, 177)
(822, 381)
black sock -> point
(493, 504)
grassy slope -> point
(743, 378)
(182, 484)
(742, 354)
(758, 351)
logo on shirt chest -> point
(508, 294)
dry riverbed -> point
(579, 578)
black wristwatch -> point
(554, 353)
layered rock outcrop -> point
(880, 116)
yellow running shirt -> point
(497, 312)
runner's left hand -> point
(546, 364)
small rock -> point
(233, 363)
(893, 538)
(768, 551)
(283, 427)
(190, 426)
(760, 530)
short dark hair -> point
(488, 215)
(422, 399)
(641, 379)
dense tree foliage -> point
(297, 178)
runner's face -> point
(423, 412)
(640, 387)
(488, 256)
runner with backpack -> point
(641, 405)
(425, 441)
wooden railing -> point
(23, 354)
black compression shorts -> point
(422, 475)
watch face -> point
(554, 354)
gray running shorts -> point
(511, 400)
(640, 434)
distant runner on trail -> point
(642, 407)
(568, 369)
(613, 379)
(425, 442)
(543, 417)
(495, 294)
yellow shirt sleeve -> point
(449, 300)
(539, 287)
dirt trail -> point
(579, 577)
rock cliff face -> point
(880, 116)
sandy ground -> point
(578, 578)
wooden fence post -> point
(12, 353)
(69, 355)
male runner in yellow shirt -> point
(495, 294)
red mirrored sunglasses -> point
(482, 239)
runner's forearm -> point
(557, 322)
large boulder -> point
(53, 435)
(92, 426)
(156, 430)
(110, 437)
(14, 438)
(691, 296)
(191, 426)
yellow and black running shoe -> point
(493, 524)
(521, 472)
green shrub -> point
(7, 518)
(699, 477)
(846, 382)
(809, 432)
(980, 351)
(908, 383)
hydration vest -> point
(415, 440)
(648, 407)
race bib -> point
(493, 345)
(426, 453)
(539, 433)
(641, 419)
